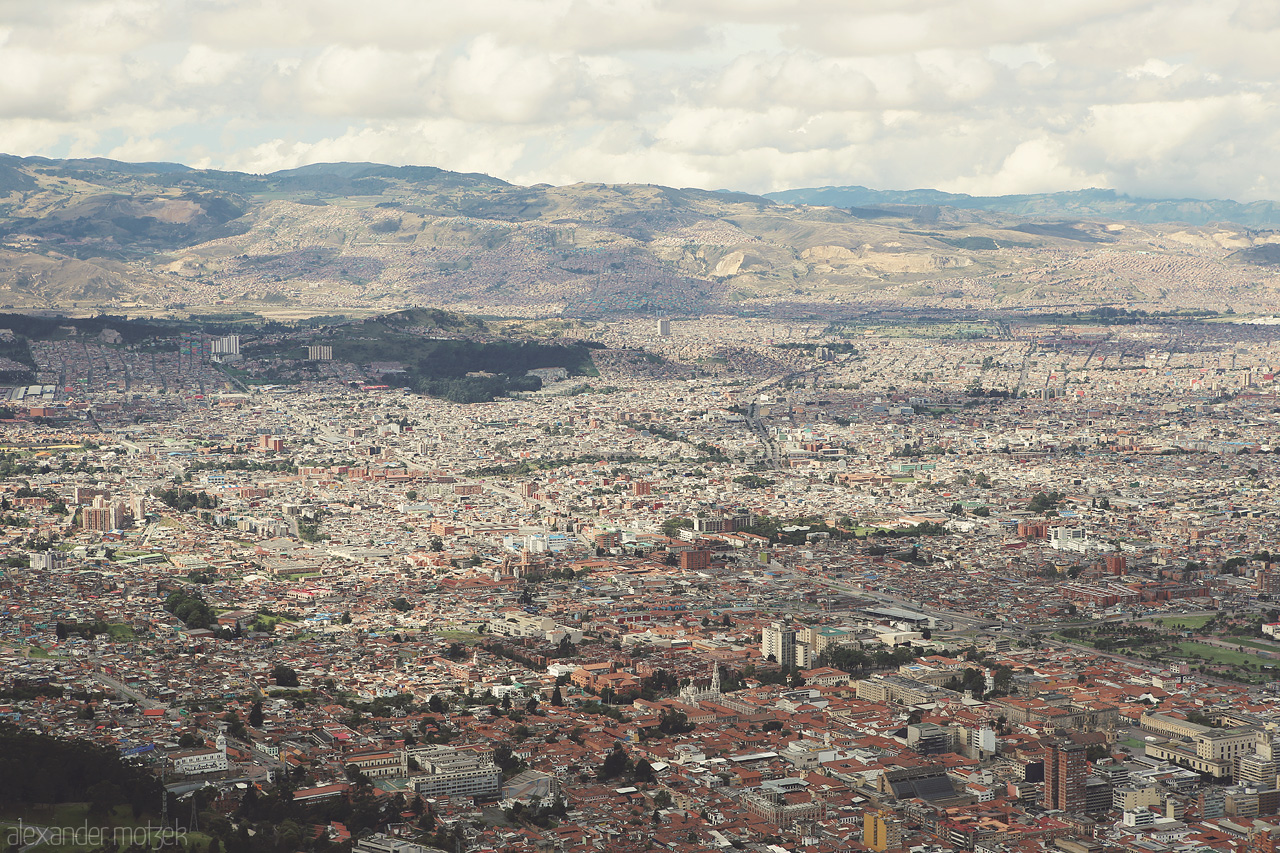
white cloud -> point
(1160, 97)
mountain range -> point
(362, 238)
(1098, 204)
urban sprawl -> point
(757, 585)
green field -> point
(466, 637)
(1215, 654)
(120, 632)
(1192, 622)
(1253, 644)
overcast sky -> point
(1159, 98)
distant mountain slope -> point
(335, 238)
(1080, 204)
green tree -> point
(285, 676)
(615, 764)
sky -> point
(1155, 98)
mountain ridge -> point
(1095, 203)
(334, 238)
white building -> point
(1068, 539)
(779, 641)
(221, 348)
(449, 772)
(192, 762)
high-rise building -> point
(1065, 775)
(664, 328)
(779, 641)
(225, 346)
(105, 515)
(881, 831)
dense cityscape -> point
(738, 583)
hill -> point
(359, 239)
(1105, 205)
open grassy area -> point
(1193, 622)
(1215, 654)
(466, 637)
(1252, 644)
(268, 623)
(1133, 743)
(120, 632)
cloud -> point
(1159, 97)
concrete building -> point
(881, 831)
(449, 772)
(1064, 777)
(225, 348)
(193, 762)
(779, 641)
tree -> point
(436, 704)
(346, 617)
(615, 764)
(255, 715)
(284, 676)
(557, 698)
(643, 772)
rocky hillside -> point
(351, 237)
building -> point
(105, 515)
(319, 353)
(193, 762)
(664, 328)
(778, 643)
(48, 561)
(1065, 776)
(376, 764)
(449, 772)
(782, 802)
(1258, 770)
(983, 740)
(516, 624)
(930, 739)
(1068, 539)
(696, 560)
(225, 348)
(881, 831)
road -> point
(128, 692)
